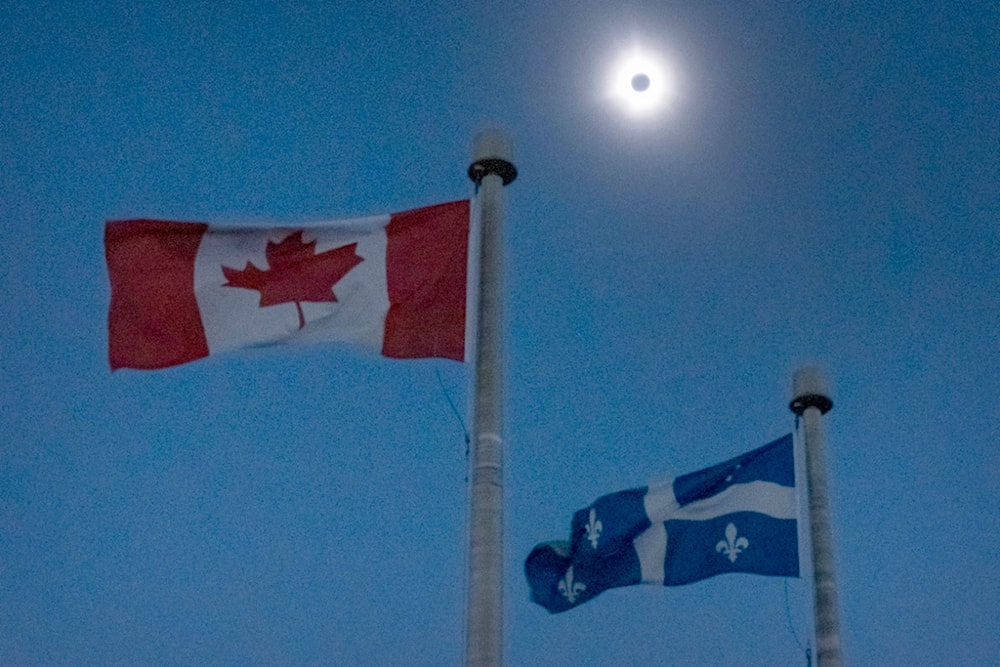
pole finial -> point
(809, 390)
(491, 154)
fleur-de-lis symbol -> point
(571, 589)
(594, 528)
(732, 546)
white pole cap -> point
(809, 390)
(491, 154)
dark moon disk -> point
(640, 82)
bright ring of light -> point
(641, 83)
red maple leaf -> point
(296, 273)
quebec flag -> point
(737, 516)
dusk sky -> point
(822, 188)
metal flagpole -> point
(491, 170)
(810, 402)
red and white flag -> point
(394, 284)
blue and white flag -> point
(738, 516)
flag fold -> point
(737, 516)
(393, 284)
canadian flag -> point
(393, 284)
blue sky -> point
(824, 189)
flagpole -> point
(491, 170)
(810, 402)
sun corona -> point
(640, 83)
